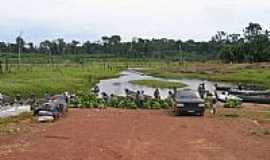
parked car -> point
(225, 96)
(48, 110)
(52, 109)
(189, 102)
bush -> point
(164, 104)
(90, 100)
(155, 104)
(233, 104)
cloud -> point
(91, 19)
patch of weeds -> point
(232, 115)
(11, 125)
(260, 131)
(267, 115)
(233, 104)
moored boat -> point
(249, 92)
(261, 99)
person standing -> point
(211, 103)
(201, 90)
(96, 90)
(157, 94)
(18, 100)
(141, 99)
(1, 99)
(33, 101)
(47, 96)
(137, 98)
(105, 97)
(174, 92)
(171, 101)
(67, 97)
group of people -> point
(140, 96)
(4, 100)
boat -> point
(222, 88)
(252, 96)
(250, 92)
(260, 99)
(240, 88)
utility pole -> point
(181, 52)
(19, 52)
(19, 48)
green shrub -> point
(90, 100)
(233, 104)
(164, 104)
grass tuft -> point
(158, 84)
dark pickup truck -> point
(189, 102)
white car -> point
(225, 96)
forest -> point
(250, 46)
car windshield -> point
(185, 94)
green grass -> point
(259, 76)
(39, 79)
(158, 84)
(67, 75)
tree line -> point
(253, 45)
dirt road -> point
(137, 135)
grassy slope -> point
(158, 84)
(258, 76)
(42, 79)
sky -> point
(91, 19)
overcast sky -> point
(90, 19)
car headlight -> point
(201, 105)
(180, 105)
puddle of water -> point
(118, 85)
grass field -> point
(82, 72)
(258, 74)
(39, 79)
(158, 84)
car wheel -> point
(177, 112)
(202, 114)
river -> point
(118, 85)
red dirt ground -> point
(137, 135)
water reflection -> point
(118, 85)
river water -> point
(118, 85)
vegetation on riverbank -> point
(257, 74)
(90, 100)
(159, 84)
(39, 79)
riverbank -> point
(39, 79)
(258, 74)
